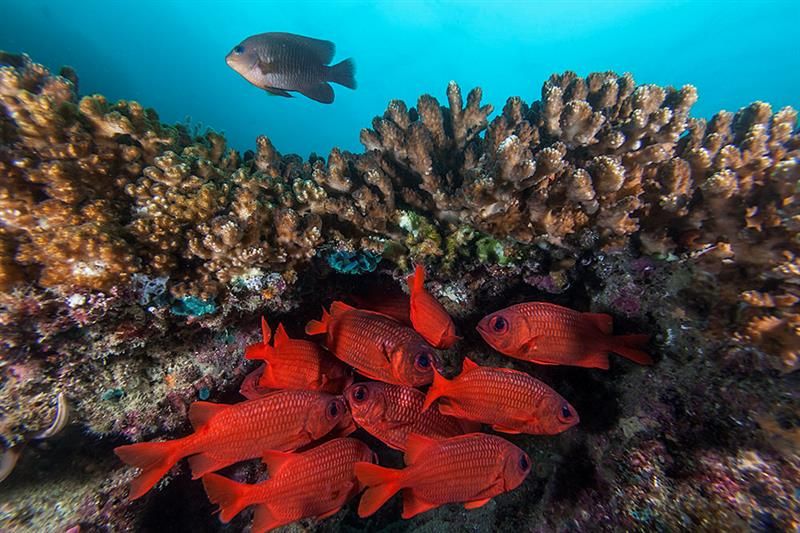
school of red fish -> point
(304, 393)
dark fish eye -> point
(499, 324)
(565, 412)
(524, 463)
(423, 360)
(333, 409)
(360, 394)
(238, 50)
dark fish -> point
(281, 62)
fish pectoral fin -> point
(476, 503)
(530, 345)
(266, 67)
(413, 506)
(277, 92)
(506, 429)
(446, 409)
(394, 423)
(321, 92)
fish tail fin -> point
(344, 73)
(382, 483)
(228, 494)
(629, 346)
(153, 458)
(437, 390)
(318, 327)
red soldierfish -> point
(227, 434)
(316, 483)
(511, 401)
(469, 469)
(392, 412)
(427, 314)
(553, 335)
(297, 364)
(376, 345)
(392, 302)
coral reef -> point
(135, 258)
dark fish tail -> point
(343, 73)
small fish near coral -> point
(469, 469)
(392, 412)
(550, 334)
(315, 483)
(294, 364)
(227, 434)
(282, 62)
(509, 400)
(376, 345)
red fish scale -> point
(565, 335)
(300, 363)
(459, 469)
(405, 404)
(358, 338)
(314, 482)
(553, 320)
(298, 67)
(496, 396)
(275, 422)
(395, 306)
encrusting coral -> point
(131, 252)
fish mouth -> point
(483, 328)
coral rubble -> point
(136, 256)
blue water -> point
(170, 54)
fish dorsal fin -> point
(201, 412)
(266, 333)
(468, 365)
(275, 460)
(339, 308)
(281, 337)
(601, 321)
(416, 281)
(416, 446)
(323, 50)
(260, 350)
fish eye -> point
(238, 50)
(333, 409)
(423, 360)
(360, 393)
(565, 412)
(499, 324)
(524, 463)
